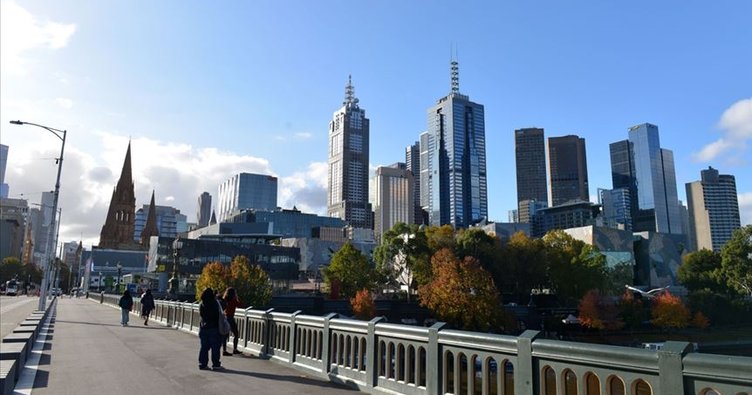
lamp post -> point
(61, 135)
(175, 281)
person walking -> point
(126, 304)
(231, 303)
(208, 332)
(224, 338)
(147, 305)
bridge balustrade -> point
(379, 357)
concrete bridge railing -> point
(379, 357)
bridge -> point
(87, 350)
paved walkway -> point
(89, 352)
(13, 310)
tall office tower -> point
(246, 190)
(117, 231)
(412, 162)
(424, 178)
(204, 209)
(347, 192)
(640, 165)
(530, 158)
(3, 164)
(713, 209)
(456, 154)
(617, 208)
(394, 198)
(528, 208)
(168, 220)
(567, 168)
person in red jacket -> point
(231, 303)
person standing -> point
(208, 332)
(231, 303)
(126, 304)
(147, 305)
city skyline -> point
(196, 114)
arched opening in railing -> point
(421, 366)
(390, 361)
(382, 358)
(492, 376)
(400, 362)
(592, 384)
(320, 344)
(570, 382)
(549, 380)
(341, 350)
(478, 369)
(410, 364)
(449, 373)
(508, 378)
(640, 387)
(363, 348)
(615, 386)
(463, 372)
(356, 353)
(348, 352)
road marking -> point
(25, 383)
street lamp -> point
(174, 281)
(120, 269)
(61, 135)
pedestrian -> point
(125, 303)
(231, 303)
(208, 332)
(223, 306)
(147, 305)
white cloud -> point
(303, 135)
(21, 32)
(64, 102)
(306, 190)
(736, 129)
(745, 207)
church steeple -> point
(117, 232)
(150, 228)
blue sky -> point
(205, 89)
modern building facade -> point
(530, 161)
(412, 162)
(203, 214)
(4, 189)
(528, 208)
(246, 191)
(617, 208)
(567, 170)
(347, 179)
(117, 231)
(169, 221)
(640, 165)
(394, 197)
(13, 214)
(564, 216)
(713, 209)
(457, 187)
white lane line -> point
(25, 383)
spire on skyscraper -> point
(350, 99)
(454, 72)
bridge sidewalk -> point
(89, 352)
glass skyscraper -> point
(347, 192)
(455, 146)
(530, 161)
(641, 166)
(246, 190)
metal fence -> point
(378, 357)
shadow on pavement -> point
(292, 379)
(86, 323)
(41, 379)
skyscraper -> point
(713, 209)
(455, 146)
(567, 167)
(246, 190)
(3, 164)
(412, 162)
(204, 209)
(647, 171)
(530, 159)
(394, 197)
(347, 192)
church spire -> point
(150, 228)
(118, 229)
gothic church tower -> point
(117, 232)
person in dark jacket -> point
(231, 303)
(208, 332)
(126, 304)
(147, 305)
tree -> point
(736, 260)
(350, 269)
(11, 268)
(617, 276)
(439, 237)
(699, 320)
(669, 312)
(633, 310)
(597, 312)
(251, 282)
(215, 276)
(363, 305)
(573, 267)
(396, 256)
(700, 270)
(485, 248)
(523, 263)
(462, 293)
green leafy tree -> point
(524, 264)
(485, 248)
(462, 293)
(573, 267)
(701, 270)
(633, 310)
(214, 275)
(251, 282)
(736, 261)
(11, 268)
(617, 276)
(350, 269)
(440, 237)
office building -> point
(617, 208)
(564, 216)
(567, 170)
(4, 189)
(12, 227)
(169, 221)
(530, 160)
(412, 162)
(394, 197)
(203, 214)
(347, 192)
(641, 166)
(528, 208)
(457, 192)
(246, 191)
(713, 209)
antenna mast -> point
(454, 72)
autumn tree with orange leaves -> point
(596, 312)
(669, 312)
(462, 293)
(363, 305)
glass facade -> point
(567, 166)
(394, 197)
(203, 214)
(530, 161)
(170, 222)
(247, 191)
